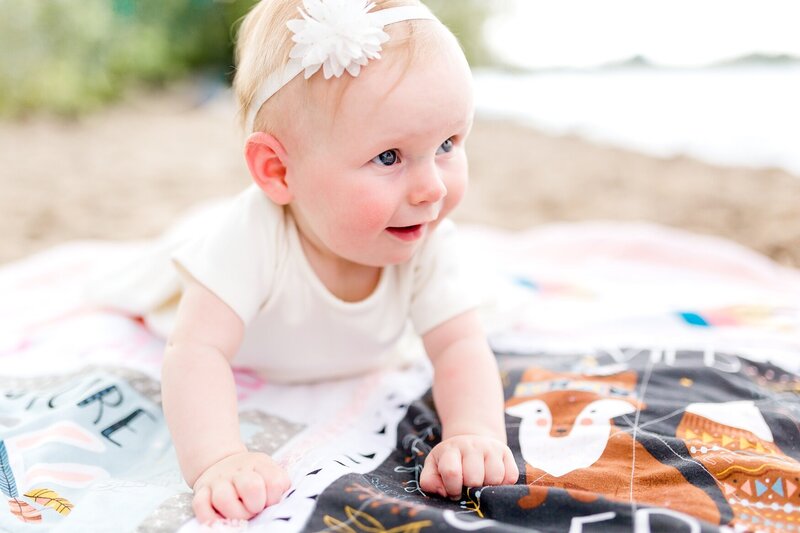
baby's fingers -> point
(276, 480)
(201, 505)
(226, 502)
(472, 468)
(251, 490)
(512, 472)
(449, 465)
(429, 480)
(494, 469)
(276, 490)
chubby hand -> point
(238, 487)
(467, 461)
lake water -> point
(736, 115)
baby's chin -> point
(393, 256)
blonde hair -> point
(263, 46)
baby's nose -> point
(428, 186)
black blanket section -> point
(686, 441)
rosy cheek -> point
(586, 422)
(456, 185)
(365, 210)
(374, 215)
(453, 198)
(541, 422)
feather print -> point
(24, 511)
(50, 498)
(8, 484)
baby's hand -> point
(238, 487)
(470, 461)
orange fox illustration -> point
(568, 441)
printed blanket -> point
(651, 381)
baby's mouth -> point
(406, 233)
(406, 229)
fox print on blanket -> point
(569, 441)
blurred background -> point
(116, 115)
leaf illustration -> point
(334, 524)
(8, 484)
(50, 498)
(369, 524)
(23, 511)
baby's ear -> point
(266, 159)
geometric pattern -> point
(761, 483)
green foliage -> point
(466, 18)
(72, 56)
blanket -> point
(651, 380)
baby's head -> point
(366, 164)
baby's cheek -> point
(456, 192)
(366, 212)
(456, 184)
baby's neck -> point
(348, 281)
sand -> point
(129, 171)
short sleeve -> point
(235, 256)
(440, 288)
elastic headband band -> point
(337, 36)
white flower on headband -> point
(336, 35)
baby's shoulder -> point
(252, 202)
(251, 216)
(244, 229)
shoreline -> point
(566, 178)
(129, 171)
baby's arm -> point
(469, 399)
(199, 397)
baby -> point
(317, 270)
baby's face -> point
(370, 182)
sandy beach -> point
(129, 171)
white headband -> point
(336, 35)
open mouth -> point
(406, 233)
(407, 229)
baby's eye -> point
(387, 158)
(445, 147)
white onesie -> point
(296, 330)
